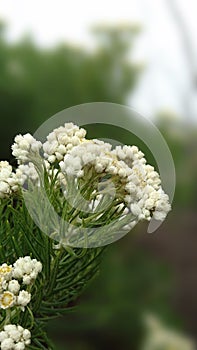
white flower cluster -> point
(61, 140)
(88, 153)
(25, 269)
(160, 337)
(25, 148)
(8, 180)
(58, 143)
(25, 172)
(14, 337)
(68, 153)
(143, 194)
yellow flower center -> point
(6, 300)
(5, 269)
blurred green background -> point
(143, 273)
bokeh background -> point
(142, 53)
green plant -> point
(58, 212)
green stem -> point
(31, 318)
(54, 271)
(8, 316)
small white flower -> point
(7, 344)
(23, 298)
(7, 299)
(27, 279)
(62, 139)
(3, 336)
(4, 187)
(15, 334)
(27, 172)
(27, 269)
(9, 328)
(19, 346)
(14, 337)
(25, 148)
(6, 271)
(8, 180)
(26, 334)
(13, 286)
(17, 272)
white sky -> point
(52, 21)
(165, 80)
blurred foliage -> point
(36, 83)
(182, 140)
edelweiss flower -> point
(23, 298)
(8, 180)
(68, 154)
(27, 269)
(60, 140)
(13, 286)
(25, 148)
(26, 171)
(138, 182)
(14, 337)
(6, 271)
(7, 299)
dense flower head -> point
(140, 183)
(11, 295)
(60, 140)
(8, 180)
(12, 278)
(26, 269)
(10, 299)
(13, 286)
(25, 148)
(14, 337)
(7, 300)
(86, 154)
(6, 271)
(69, 154)
(25, 172)
(23, 299)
